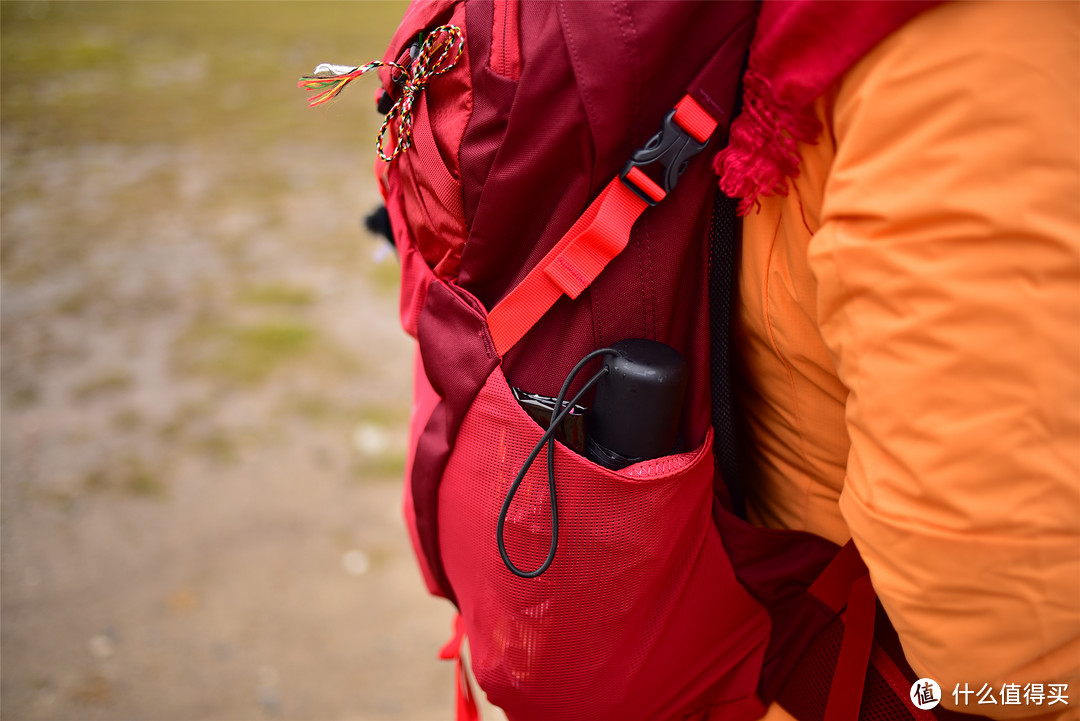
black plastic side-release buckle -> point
(672, 149)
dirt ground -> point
(205, 388)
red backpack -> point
(549, 196)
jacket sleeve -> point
(948, 269)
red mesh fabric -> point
(807, 690)
(640, 615)
(882, 703)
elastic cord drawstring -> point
(556, 420)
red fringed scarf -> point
(799, 48)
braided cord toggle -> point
(439, 52)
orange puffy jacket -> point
(910, 340)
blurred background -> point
(205, 388)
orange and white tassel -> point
(325, 86)
(329, 80)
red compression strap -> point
(600, 234)
(694, 119)
(849, 678)
(646, 185)
(833, 586)
(465, 702)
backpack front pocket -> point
(639, 616)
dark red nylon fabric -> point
(425, 400)
(536, 152)
(458, 356)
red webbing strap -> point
(846, 691)
(465, 702)
(846, 582)
(693, 118)
(598, 236)
(595, 239)
(646, 185)
(833, 586)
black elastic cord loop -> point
(553, 425)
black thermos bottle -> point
(636, 410)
